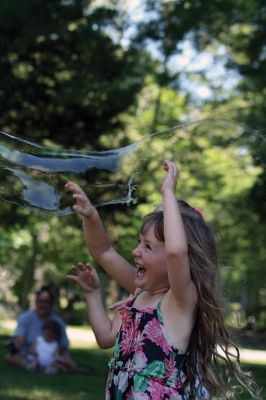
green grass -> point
(17, 384)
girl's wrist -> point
(90, 215)
(93, 292)
(168, 192)
(93, 297)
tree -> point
(64, 81)
(63, 78)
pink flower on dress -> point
(126, 317)
(171, 370)
(153, 331)
(170, 363)
(137, 396)
(129, 337)
(156, 390)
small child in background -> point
(45, 348)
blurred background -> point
(97, 75)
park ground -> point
(17, 384)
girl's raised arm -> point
(99, 245)
(176, 247)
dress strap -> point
(137, 294)
(159, 312)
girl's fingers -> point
(82, 266)
(71, 185)
(170, 166)
(80, 197)
(77, 196)
(119, 305)
(116, 305)
(72, 277)
(120, 308)
(77, 208)
(68, 185)
(79, 268)
(76, 190)
(165, 164)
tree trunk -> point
(28, 278)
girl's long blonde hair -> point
(212, 357)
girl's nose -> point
(136, 251)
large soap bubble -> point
(33, 176)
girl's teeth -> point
(140, 270)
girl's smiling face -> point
(150, 259)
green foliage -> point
(66, 79)
(61, 76)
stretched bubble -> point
(33, 176)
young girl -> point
(170, 338)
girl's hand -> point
(86, 277)
(170, 181)
(83, 205)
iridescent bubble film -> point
(33, 176)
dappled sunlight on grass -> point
(81, 337)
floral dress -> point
(144, 365)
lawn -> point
(16, 384)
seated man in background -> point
(30, 325)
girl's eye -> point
(148, 246)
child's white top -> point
(46, 351)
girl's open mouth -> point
(140, 270)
